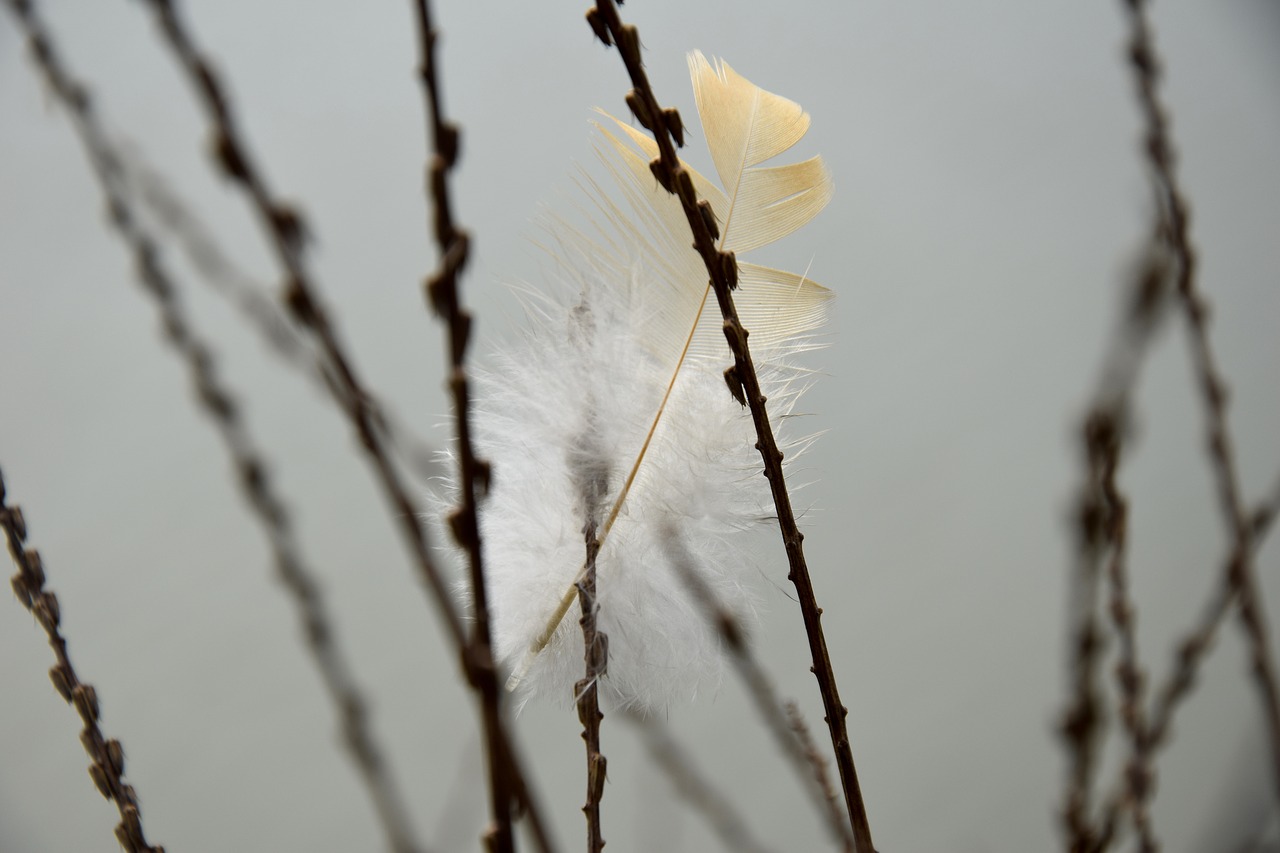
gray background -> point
(989, 201)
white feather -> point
(619, 379)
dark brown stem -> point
(697, 792)
(1239, 578)
(107, 756)
(668, 132)
(1102, 525)
(171, 216)
(442, 294)
(783, 720)
(219, 404)
(287, 234)
(1191, 652)
(587, 692)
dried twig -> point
(220, 405)
(107, 756)
(668, 132)
(698, 792)
(473, 475)
(173, 217)
(284, 228)
(1238, 577)
(1191, 651)
(1101, 541)
(286, 232)
(784, 721)
(587, 692)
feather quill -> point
(613, 407)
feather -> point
(612, 408)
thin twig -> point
(286, 233)
(668, 132)
(1191, 651)
(1239, 576)
(220, 405)
(698, 793)
(783, 720)
(473, 474)
(1101, 543)
(107, 756)
(173, 217)
(587, 692)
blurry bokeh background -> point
(990, 202)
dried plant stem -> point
(172, 217)
(668, 132)
(442, 293)
(784, 721)
(587, 692)
(1239, 578)
(698, 792)
(286, 233)
(1101, 541)
(742, 379)
(107, 756)
(219, 404)
(1192, 650)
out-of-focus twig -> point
(107, 756)
(220, 405)
(1101, 540)
(722, 267)
(284, 229)
(173, 216)
(783, 721)
(1238, 578)
(699, 793)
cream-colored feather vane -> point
(754, 205)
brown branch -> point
(106, 756)
(587, 691)
(172, 216)
(1239, 578)
(1102, 530)
(219, 404)
(286, 233)
(783, 720)
(668, 132)
(284, 229)
(698, 792)
(473, 475)
(1191, 652)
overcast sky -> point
(990, 200)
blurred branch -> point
(172, 215)
(699, 793)
(287, 235)
(784, 722)
(219, 404)
(1101, 539)
(1238, 578)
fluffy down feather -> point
(575, 406)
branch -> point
(286, 233)
(587, 691)
(219, 404)
(1238, 579)
(668, 131)
(106, 756)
